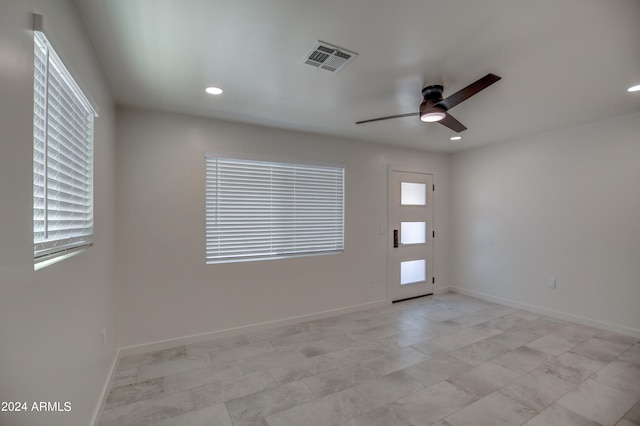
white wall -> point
(562, 204)
(51, 320)
(166, 290)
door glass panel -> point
(413, 271)
(413, 194)
(413, 232)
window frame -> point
(63, 149)
(285, 236)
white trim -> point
(53, 258)
(402, 169)
(97, 414)
(197, 338)
(441, 290)
(284, 256)
(552, 313)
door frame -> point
(403, 169)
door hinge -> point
(434, 234)
(434, 188)
(433, 280)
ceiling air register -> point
(327, 57)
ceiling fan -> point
(433, 108)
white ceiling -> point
(562, 62)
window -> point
(62, 157)
(258, 210)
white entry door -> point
(410, 234)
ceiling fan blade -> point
(452, 123)
(411, 114)
(468, 91)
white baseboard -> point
(441, 290)
(551, 313)
(105, 390)
(197, 338)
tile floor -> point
(439, 360)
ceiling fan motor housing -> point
(431, 96)
(432, 93)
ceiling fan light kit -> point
(432, 116)
(429, 112)
(435, 109)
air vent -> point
(330, 58)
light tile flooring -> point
(440, 360)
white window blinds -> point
(264, 210)
(62, 156)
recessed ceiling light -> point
(635, 88)
(455, 138)
(213, 90)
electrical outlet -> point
(551, 282)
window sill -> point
(58, 257)
(263, 258)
